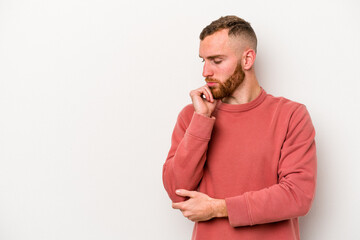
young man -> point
(242, 163)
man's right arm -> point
(183, 168)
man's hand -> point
(204, 106)
(199, 206)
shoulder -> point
(287, 110)
(293, 113)
(283, 103)
(284, 106)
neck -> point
(247, 91)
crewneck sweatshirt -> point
(258, 156)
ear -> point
(248, 59)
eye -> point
(202, 60)
(217, 61)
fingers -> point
(207, 93)
(211, 98)
(185, 193)
(177, 205)
(204, 90)
(181, 206)
(185, 213)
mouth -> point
(211, 84)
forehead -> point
(218, 43)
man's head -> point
(237, 27)
(228, 48)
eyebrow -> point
(213, 57)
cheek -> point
(227, 72)
(228, 69)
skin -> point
(220, 54)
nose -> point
(207, 71)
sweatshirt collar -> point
(242, 107)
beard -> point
(225, 89)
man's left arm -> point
(291, 197)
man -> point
(242, 163)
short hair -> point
(237, 27)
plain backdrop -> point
(90, 91)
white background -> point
(90, 91)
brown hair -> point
(237, 27)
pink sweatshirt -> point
(259, 156)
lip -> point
(210, 84)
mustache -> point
(212, 80)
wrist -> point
(219, 208)
(205, 115)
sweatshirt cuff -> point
(238, 211)
(201, 126)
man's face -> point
(220, 89)
(222, 69)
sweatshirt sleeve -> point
(183, 168)
(293, 195)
